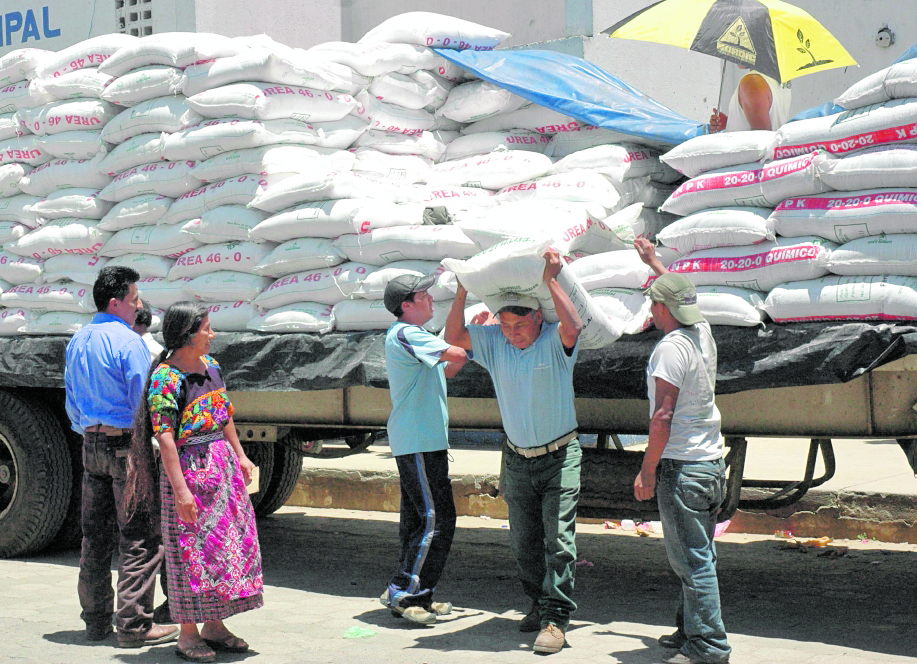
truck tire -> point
(262, 455)
(35, 476)
(70, 535)
(287, 469)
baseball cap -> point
(516, 300)
(400, 288)
(677, 293)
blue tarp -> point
(578, 88)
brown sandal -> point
(200, 653)
(229, 644)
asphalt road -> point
(324, 571)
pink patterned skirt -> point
(214, 564)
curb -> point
(885, 517)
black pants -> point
(426, 529)
(106, 529)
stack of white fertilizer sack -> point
(286, 187)
(816, 221)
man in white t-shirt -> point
(683, 464)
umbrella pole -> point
(719, 96)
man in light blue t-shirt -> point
(418, 364)
(683, 464)
(531, 364)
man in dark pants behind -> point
(418, 363)
(106, 367)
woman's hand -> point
(247, 468)
(185, 505)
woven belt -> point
(554, 445)
(107, 430)
(200, 440)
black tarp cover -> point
(749, 359)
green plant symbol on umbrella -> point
(805, 49)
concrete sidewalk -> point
(873, 491)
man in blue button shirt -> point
(417, 364)
(107, 365)
(531, 364)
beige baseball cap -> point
(678, 293)
(516, 300)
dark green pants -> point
(542, 493)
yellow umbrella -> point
(772, 37)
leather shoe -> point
(98, 631)
(682, 658)
(161, 614)
(532, 621)
(674, 641)
(550, 640)
(155, 635)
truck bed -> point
(810, 379)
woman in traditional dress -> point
(213, 561)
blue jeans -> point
(542, 494)
(426, 529)
(689, 495)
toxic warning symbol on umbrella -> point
(737, 43)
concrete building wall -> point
(299, 23)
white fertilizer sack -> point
(160, 240)
(299, 255)
(751, 185)
(83, 203)
(232, 256)
(725, 305)
(844, 217)
(137, 211)
(759, 266)
(885, 254)
(315, 317)
(385, 245)
(145, 264)
(172, 179)
(136, 151)
(889, 166)
(718, 227)
(225, 285)
(436, 31)
(227, 223)
(328, 285)
(518, 266)
(57, 236)
(883, 297)
(271, 159)
(494, 171)
(712, 151)
(142, 85)
(840, 134)
(314, 219)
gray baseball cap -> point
(401, 288)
